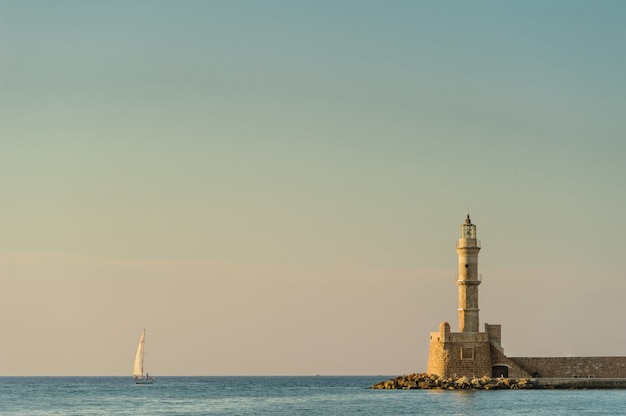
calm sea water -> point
(308, 396)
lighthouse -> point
(472, 353)
(468, 278)
(469, 351)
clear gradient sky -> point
(276, 187)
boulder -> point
(431, 381)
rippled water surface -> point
(284, 396)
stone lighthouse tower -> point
(468, 279)
(468, 352)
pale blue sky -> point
(291, 175)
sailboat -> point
(138, 375)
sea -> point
(310, 396)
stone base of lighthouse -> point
(470, 354)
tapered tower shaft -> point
(469, 279)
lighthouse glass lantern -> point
(468, 230)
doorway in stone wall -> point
(500, 371)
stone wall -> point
(494, 332)
(459, 353)
(499, 359)
(478, 354)
(567, 367)
(459, 359)
(469, 359)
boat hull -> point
(143, 380)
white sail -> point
(138, 366)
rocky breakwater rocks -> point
(434, 382)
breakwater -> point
(434, 382)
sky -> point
(276, 187)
